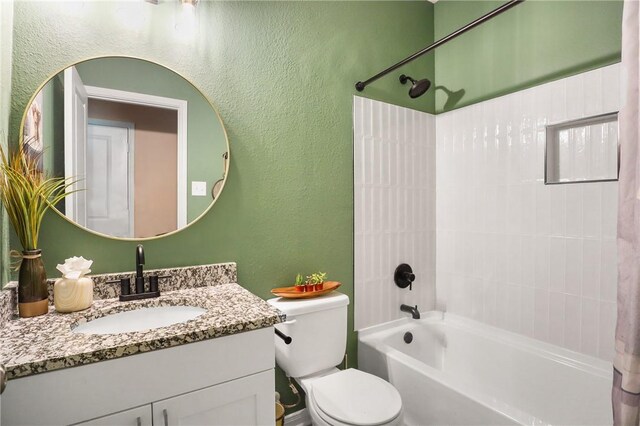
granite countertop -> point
(46, 343)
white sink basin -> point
(140, 320)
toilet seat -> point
(353, 397)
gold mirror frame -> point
(215, 110)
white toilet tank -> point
(318, 328)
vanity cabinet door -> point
(140, 416)
(243, 402)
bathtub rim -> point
(578, 360)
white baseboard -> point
(299, 418)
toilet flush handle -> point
(280, 334)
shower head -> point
(417, 87)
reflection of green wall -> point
(206, 139)
(535, 42)
(282, 76)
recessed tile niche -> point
(583, 150)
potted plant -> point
(300, 284)
(316, 281)
(26, 194)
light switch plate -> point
(198, 189)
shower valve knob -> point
(404, 276)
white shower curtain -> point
(626, 381)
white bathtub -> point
(460, 372)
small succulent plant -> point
(313, 282)
(317, 278)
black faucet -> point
(413, 310)
(141, 293)
(139, 269)
(139, 260)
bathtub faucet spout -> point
(413, 310)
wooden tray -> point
(293, 293)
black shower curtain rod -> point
(497, 11)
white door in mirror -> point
(109, 178)
(140, 319)
(76, 106)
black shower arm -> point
(497, 11)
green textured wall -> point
(6, 37)
(535, 42)
(282, 76)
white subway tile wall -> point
(394, 208)
(535, 259)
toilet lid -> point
(357, 398)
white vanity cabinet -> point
(238, 402)
(222, 381)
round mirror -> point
(147, 149)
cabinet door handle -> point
(165, 415)
(138, 421)
(3, 379)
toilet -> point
(318, 328)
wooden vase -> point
(72, 295)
